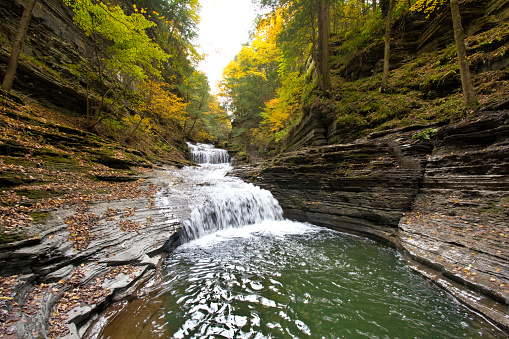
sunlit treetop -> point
(254, 58)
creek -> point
(243, 271)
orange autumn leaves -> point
(258, 65)
(162, 103)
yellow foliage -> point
(159, 101)
(214, 108)
(203, 135)
(428, 6)
(263, 50)
(269, 27)
(275, 115)
(138, 120)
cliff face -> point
(444, 203)
(414, 34)
(79, 227)
(51, 43)
(425, 82)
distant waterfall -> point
(208, 154)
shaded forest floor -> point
(423, 89)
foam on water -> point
(245, 272)
(218, 201)
(277, 228)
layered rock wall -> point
(459, 222)
(52, 43)
(444, 203)
(415, 33)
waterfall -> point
(208, 154)
(234, 205)
(219, 201)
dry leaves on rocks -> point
(79, 226)
(83, 295)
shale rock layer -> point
(90, 256)
(443, 202)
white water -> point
(208, 154)
(249, 273)
(219, 201)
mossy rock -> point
(13, 148)
(36, 194)
(8, 180)
(40, 217)
(8, 238)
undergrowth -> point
(424, 90)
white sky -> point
(224, 27)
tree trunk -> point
(10, 72)
(466, 81)
(387, 49)
(134, 130)
(314, 45)
(191, 129)
(323, 44)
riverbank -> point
(78, 235)
(89, 256)
(79, 224)
(438, 194)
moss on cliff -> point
(424, 89)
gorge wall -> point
(414, 34)
(443, 203)
(52, 43)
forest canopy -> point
(140, 80)
(311, 52)
(138, 73)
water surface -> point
(281, 279)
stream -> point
(243, 271)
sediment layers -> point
(443, 202)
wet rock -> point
(364, 187)
(57, 288)
(458, 223)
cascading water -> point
(208, 154)
(229, 201)
(249, 273)
(239, 204)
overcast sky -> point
(224, 27)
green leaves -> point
(131, 51)
(425, 135)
